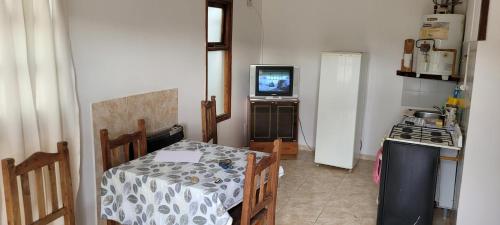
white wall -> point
(480, 195)
(125, 47)
(246, 41)
(296, 31)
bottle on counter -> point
(450, 115)
(452, 107)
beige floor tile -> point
(301, 209)
(369, 221)
(287, 216)
(440, 220)
(318, 185)
(309, 194)
(310, 198)
(286, 221)
(337, 217)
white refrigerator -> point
(341, 100)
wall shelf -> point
(427, 76)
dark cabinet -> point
(286, 120)
(269, 120)
(408, 184)
(272, 120)
(262, 118)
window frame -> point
(226, 46)
(483, 20)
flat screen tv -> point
(273, 81)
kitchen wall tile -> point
(410, 98)
(425, 93)
(411, 84)
(447, 87)
(428, 100)
(443, 87)
(429, 85)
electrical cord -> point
(261, 34)
(303, 136)
(262, 62)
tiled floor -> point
(321, 195)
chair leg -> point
(271, 213)
(112, 222)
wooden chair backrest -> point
(259, 203)
(209, 120)
(36, 164)
(111, 147)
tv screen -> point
(274, 81)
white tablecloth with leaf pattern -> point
(148, 192)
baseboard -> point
(361, 156)
(305, 148)
(367, 157)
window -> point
(218, 36)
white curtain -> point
(38, 104)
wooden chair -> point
(209, 120)
(36, 163)
(259, 203)
(111, 147)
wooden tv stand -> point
(272, 119)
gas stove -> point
(413, 121)
(435, 137)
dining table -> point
(148, 191)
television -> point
(273, 81)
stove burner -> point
(407, 130)
(436, 134)
(437, 140)
(409, 123)
(405, 136)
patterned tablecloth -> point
(144, 191)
